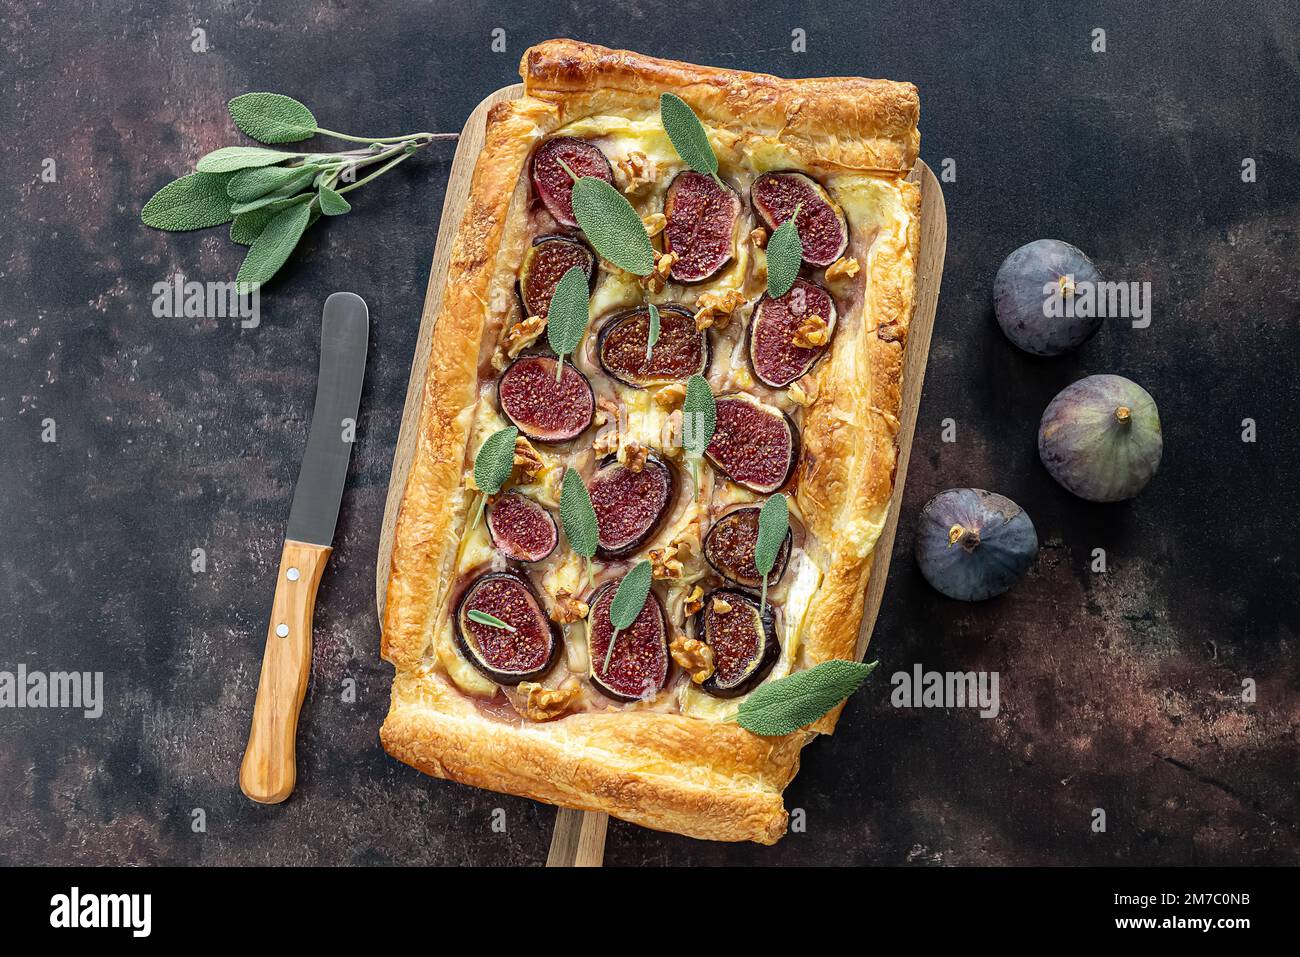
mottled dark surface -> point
(1119, 691)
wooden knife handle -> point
(268, 772)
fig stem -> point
(959, 534)
(1123, 415)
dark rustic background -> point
(1120, 690)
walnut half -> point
(543, 704)
(812, 332)
(694, 656)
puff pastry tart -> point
(808, 389)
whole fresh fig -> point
(972, 544)
(1100, 438)
(1038, 301)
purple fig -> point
(630, 505)
(638, 667)
(701, 225)
(743, 640)
(1035, 295)
(754, 444)
(729, 548)
(773, 353)
(521, 529)
(541, 408)
(552, 182)
(680, 352)
(1100, 438)
(546, 260)
(521, 645)
(822, 227)
(972, 544)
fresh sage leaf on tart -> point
(822, 228)
(493, 464)
(492, 621)
(797, 700)
(568, 315)
(628, 602)
(578, 517)
(687, 134)
(628, 644)
(699, 421)
(611, 225)
(773, 527)
(784, 256)
(525, 648)
(652, 334)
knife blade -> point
(268, 772)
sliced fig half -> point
(507, 657)
(547, 259)
(553, 183)
(701, 225)
(680, 352)
(729, 548)
(755, 444)
(742, 638)
(630, 506)
(541, 408)
(823, 230)
(807, 310)
(521, 529)
(638, 668)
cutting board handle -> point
(269, 770)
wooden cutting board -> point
(580, 836)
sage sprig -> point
(568, 315)
(688, 136)
(628, 602)
(652, 334)
(784, 256)
(271, 195)
(773, 524)
(578, 517)
(493, 465)
(797, 700)
(483, 618)
(699, 420)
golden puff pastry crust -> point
(688, 774)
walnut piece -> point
(812, 332)
(605, 443)
(846, 267)
(670, 396)
(543, 704)
(803, 392)
(721, 606)
(528, 462)
(758, 237)
(638, 172)
(654, 223)
(694, 601)
(568, 609)
(664, 562)
(632, 455)
(716, 308)
(694, 656)
(523, 334)
(658, 277)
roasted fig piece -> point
(1034, 297)
(521, 529)
(554, 185)
(680, 352)
(788, 334)
(1100, 438)
(972, 544)
(630, 506)
(504, 655)
(729, 548)
(823, 230)
(546, 261)
(638, 667)
(755, 444)
(541, 408)
(743, 640)
(701, 226)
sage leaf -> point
(196, 201)
(612, 225)
(628, 602)
(773, 523)
(273, 246)
(272, 117)
(784, 256)
(577, 516)
(483, 618)
(797, 700)
(567, 315)
(279, 200)
(699, 416)
(249, 225)
(495, 460)
(687, 134)
(250, 184)
(332, 202)
(652, 336)
(231, 158)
